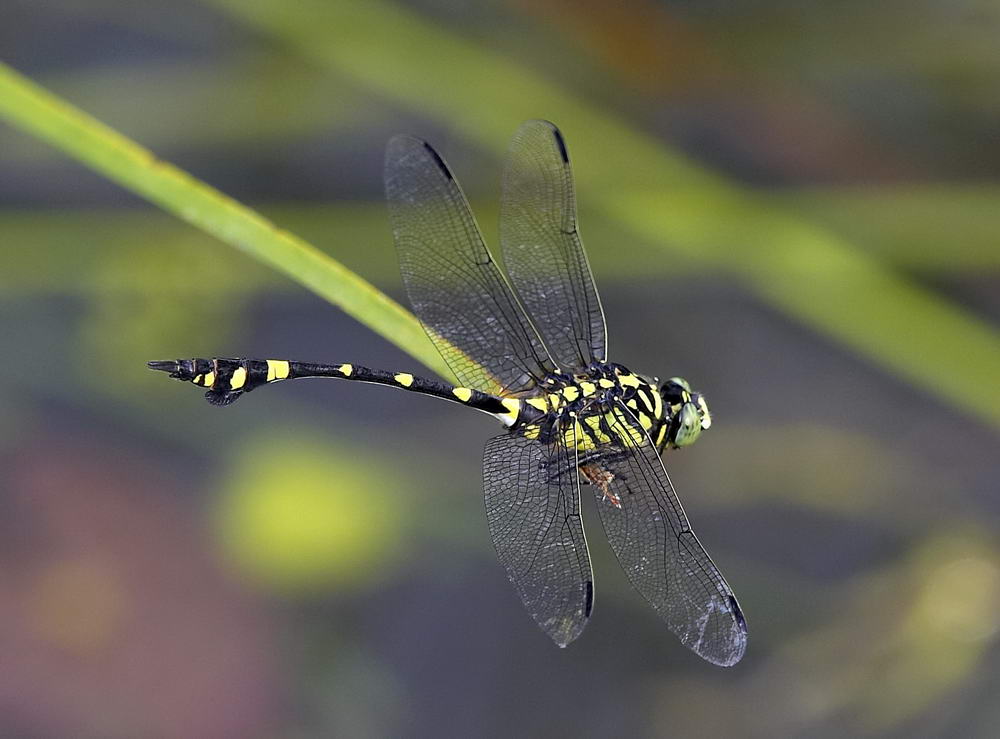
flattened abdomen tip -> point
(164, 365)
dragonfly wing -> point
(542, 250)
(533, 508)
(650, 534)
(454, 286)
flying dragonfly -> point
(529, 346)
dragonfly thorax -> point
(584, 408)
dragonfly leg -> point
(601, 478)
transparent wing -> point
(454, 286)
(533, 508)
(542, 251)
(654, 543)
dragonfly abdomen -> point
(227, 379)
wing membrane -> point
(542, 250)
(454, 286)
(650, 534)
(533, 507)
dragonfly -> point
(528, 345)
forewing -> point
(650, 534)
(533, 508)
(542, 251)
(454, 286)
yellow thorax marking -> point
(406, 379)
(605, 382)
(574, 436)
(645, 421)
(277, 369)
(647, 401)
(657, 403)
(513, 407)
(659, 436)
(346, 369)
(587, 388)
(595, 423)
(571, 393)
(625, 429)
(538, 403)
(632, 404)
(462, 393)
(238, 379)
(628, 380)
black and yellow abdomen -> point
(226, 379)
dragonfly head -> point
(688, 413)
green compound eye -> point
(681, 382)
(688, 425)
(675, 391)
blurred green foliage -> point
(32, 108)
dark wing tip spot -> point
(738, 614)
(438, 160)
(589, 607)
(561, 144)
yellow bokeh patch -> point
(307, 515)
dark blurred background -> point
(792, 204)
